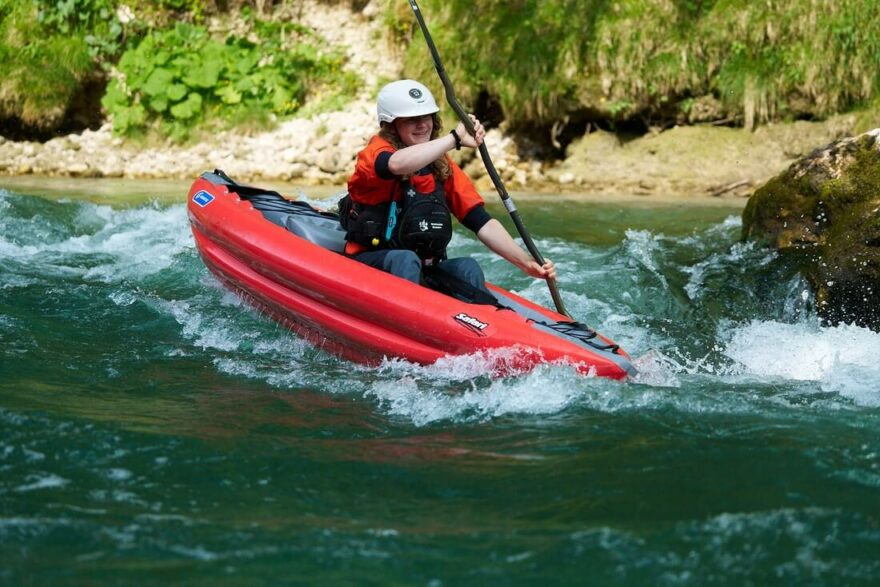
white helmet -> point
(404, 98)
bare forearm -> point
(495, 236)
(410, 159)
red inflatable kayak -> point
(285, 258)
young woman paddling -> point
(405, 186)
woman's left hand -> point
(466, 139)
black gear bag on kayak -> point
(364, 225)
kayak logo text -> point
(471, 323)
(203, 198)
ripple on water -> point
(37, 481)
(161, 496)
(792, 546)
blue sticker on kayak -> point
(203, 198)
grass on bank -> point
(41, 70)
(744, 62)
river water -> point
(154, 428)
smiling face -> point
(415, 130)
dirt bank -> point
(692, 161)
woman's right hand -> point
(547, 271)
(466, 139)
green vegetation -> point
(95, 21)
(179, 79)
(166, 72)
(545, 63)
(546, 60)
(46, 55)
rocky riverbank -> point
(317, 150)
(683, 161)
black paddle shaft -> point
(487, 161)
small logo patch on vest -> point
(203, 198)
(471, 323)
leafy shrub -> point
(179, 79)
(94, 20)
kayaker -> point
(404, 187)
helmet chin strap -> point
(487, 161)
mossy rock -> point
(825, 209)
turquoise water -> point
(154, 428)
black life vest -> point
(418, 221)
(424, 224)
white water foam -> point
(458, 389)
(242, 341)
(422, 393)
(139, 242)
(207, 332)
(452, 390)
(427, 395)
(841, 359)
(144, 241)
(658, 370)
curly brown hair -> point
(440, 168)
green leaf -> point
(282, 101)
(127, 60)
(158, 82)
(161, 57)
(229, 95)
(114, 96)
(176, 92)
(159, 104)
(188, 108)
(204, 75)
(248, 62)
(126, 119)
(244, 85)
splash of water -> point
(841, 359)
(147, 257)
